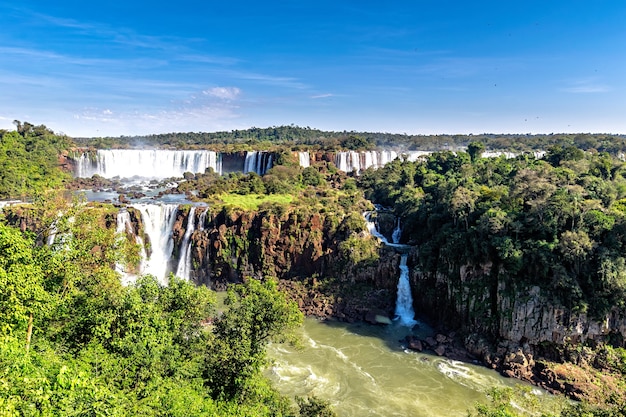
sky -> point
(134, 67)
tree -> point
(475, 150)
(22, 294)
(258, 313)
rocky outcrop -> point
(286, 244)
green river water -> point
(363, 371)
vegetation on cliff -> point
(495, 228)
(75, 341)
(29, 160)
(557, 223)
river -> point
(363, 371)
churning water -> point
(363, 371)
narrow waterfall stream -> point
(184, 263)
(404, 312)
(404, 300)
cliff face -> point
(287, 245)
(482, 304)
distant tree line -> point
(306, 137)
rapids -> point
(364, 371)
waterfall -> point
(397, 233)
(153, 164)
(348, 161)
(202, 219)
(258, 161)
(371, 227)
(158, 222)
(304, 159)
(404, 300)
(184, 262)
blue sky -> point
(421, 66)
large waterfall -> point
(304, 159)
(155, 163)
(161, 163)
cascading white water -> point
(348, 161)
(153, 164)
(397, 232)
(258, 161)
(404, 300)
(158, 223)
(202, 219)
(184, 263)
(304, 159)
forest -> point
(77, 342)
(297, 138)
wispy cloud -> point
(586, 86)
(317, 96)
(225, 93)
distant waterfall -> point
(158, 223)
(404, 300)
(348, 161)
(304, 159)
(153, 164)
(258, 161)
(184, 263)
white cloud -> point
(225, 93)
(322, 95)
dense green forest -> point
(557, 222)
(306, 138)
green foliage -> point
(306, 137)
(475, 150)
(29, 160)
(314, 407)
(22, 290)
(258, 313)
(556, 223)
